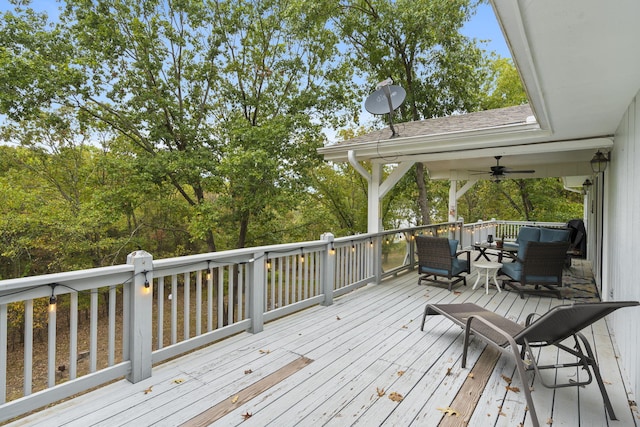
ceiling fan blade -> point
(523, 171)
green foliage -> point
(503, 87)
(521, 200)
(192, 126)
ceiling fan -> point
(498, 172)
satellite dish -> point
(378, 103)
(385, 100)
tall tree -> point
(220, 99)
(420, 46)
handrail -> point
(171, 306)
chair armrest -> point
(468, 252)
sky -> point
(482, 26)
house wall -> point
(621, 234)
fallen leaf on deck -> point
(449, 411)
(404, 327)
(235, 398)
(507, 379)
(513, 389)
(337, 317)
(396, 397)
(448, 371)
(247, 371)
(178, 380)
(457, 293)
(380, 391)
(247, 415)
(265, 351)
(550, 421)
(607, 382)
(471, 375)
(148, 390)
(400, 373)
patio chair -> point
(438, 256)
(551, 328)
(537, 264)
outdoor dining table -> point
(509, 251)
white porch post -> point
(374, 223)
(453, 201)
(140, 323)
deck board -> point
(358, 346)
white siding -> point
(621, 269)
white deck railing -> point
(148, 311)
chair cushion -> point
(522, 250)
(513, 270)
(528, 234)
(554, 235)
(453, 246)
(436, 271)
(458, 266)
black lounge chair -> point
(551, 328)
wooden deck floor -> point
(339, 366)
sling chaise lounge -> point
(551, 328)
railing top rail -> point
(68, 277)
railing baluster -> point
(28, 346)
(112, 325)
(198, 302)
(73, 335)
(3, 353)
(280, 279)
(126, 320)
(220, 297)
(51, 346)
(160, 315)
(174, 309)
(210, 299)
(287, 273)
(187, 306)
(240, 291)
(230, 292)
(93, 339)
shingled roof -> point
(450, 124)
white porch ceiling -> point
(580, 65)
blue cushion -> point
(528, 234)
(554, 235)
(437, 271)
(522, 250)
(453, 246)
(458, 266)
(514, 270)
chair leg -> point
(424, 317)
(523, 379)
(596, 373)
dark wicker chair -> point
(538, 264)
(438, 256)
